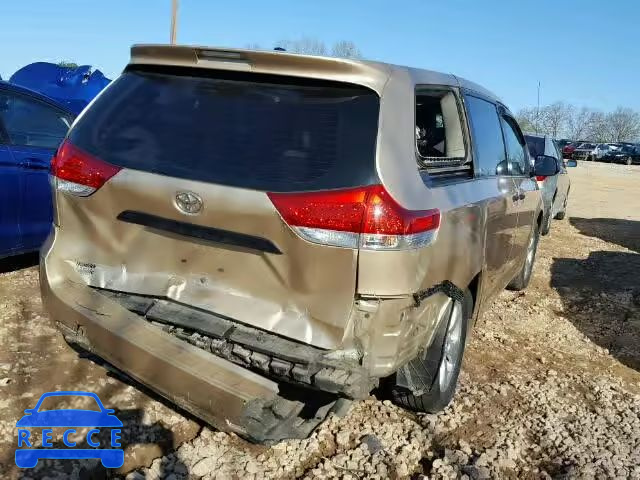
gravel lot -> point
(550, 386)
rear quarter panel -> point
(457, 253)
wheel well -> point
(539, 220)
(474, 288)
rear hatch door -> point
(188, 214)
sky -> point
(584, 52)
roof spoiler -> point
(367, 74)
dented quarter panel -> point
(457, 253)
(392, 331)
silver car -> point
(555, 188)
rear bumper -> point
(233, 378)
(227, 396)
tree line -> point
(563, 120)
(313, 46)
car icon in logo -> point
(188, 202)
(27, 455)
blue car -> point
(31, 128)
(28, 456)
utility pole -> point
(174, 20)
(538, 109)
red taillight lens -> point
(368, 214)
(385, 216)
(340, 210)
(540, 178)
(78, 172)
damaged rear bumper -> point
(267, 354)
(235, 376)
(225, 395)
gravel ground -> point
(550, 386)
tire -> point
(521, 281)
(563, 213)
(546, 223)
(450, 352)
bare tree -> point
(345, 49)
(305, 45)
(554, 118)
(313, 46)
(580, 122)
(527, 118)
(623, 125)
(598, 129)
(562, 119)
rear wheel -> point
(562, 213)
(521, 281)
(546, 224)
(450, 352)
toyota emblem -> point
(189, 203)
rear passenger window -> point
(514, 141)
(488, 145)
(439, 136)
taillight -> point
(540, 178)
(78, 172)
(367, 217)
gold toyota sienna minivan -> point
(233, 228)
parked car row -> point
(622, 152)
(628, 154)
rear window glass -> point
(246, 130)
(535, 144)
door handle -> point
(35, 164)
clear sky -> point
(586, 52)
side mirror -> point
(572, 163)
(545, 166)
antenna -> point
(538, 109)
